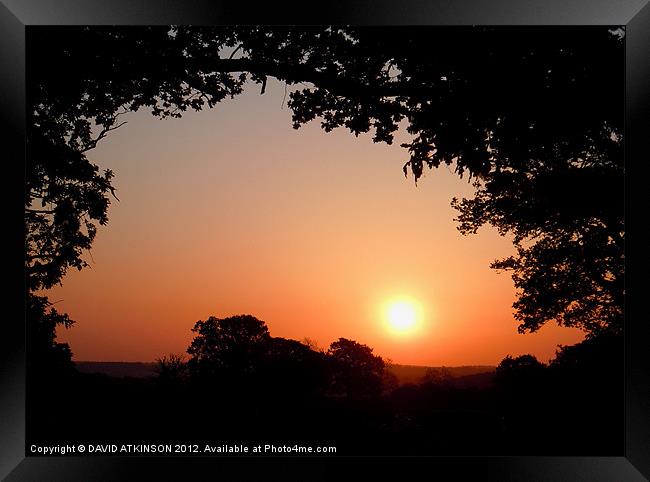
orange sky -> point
(231, 211)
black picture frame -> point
(15, 15)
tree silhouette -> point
(240, 348)
(533, 117)
(45, 355)
(289, 366)
(569, 235)
(230, 346)
(520, 374)
(356, 372)
(592, 369)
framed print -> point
(251, 241)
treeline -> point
(239, 352)
(239, 383)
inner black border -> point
(15, 15)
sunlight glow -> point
(402, 316)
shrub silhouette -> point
(437, 377)
(171, 369)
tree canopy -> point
(240, 349)
(532, 117)
(357, 372)
(232, 345)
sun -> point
(402, 316)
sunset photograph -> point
(330, 239)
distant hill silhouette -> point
(415, 373)
(478, 376)
(475, 380)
